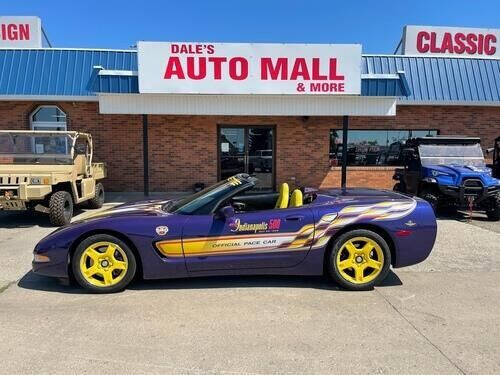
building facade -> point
(203, 138)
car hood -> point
(139, 208)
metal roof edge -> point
(49, 98)
(431, 56)
(69, 49)
(462, 103)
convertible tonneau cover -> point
(444, 140)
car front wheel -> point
(359, 260)
(103, 264)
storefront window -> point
(50, 118)
(372, 147)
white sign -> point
(452, 41)
(236, 68)
(20, 32)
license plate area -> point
(12, 205)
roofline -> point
(49, 98)
(431, 56)
(461, 103)
(70, 49)
(135, 51)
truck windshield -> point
(471, 155)
(19, 148)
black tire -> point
(124, 280)
(431, 198)
(399, 187)
(60, 208)
(98, 199)
(494, 212)
(334, 271)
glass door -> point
(247, 150)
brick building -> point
(180, 139)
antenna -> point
(399, 45)
(46, 37)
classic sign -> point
(20, 32)
(455, 41)
(237, 68)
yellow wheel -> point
(103, 263)
(360, 259)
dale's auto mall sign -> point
(451, 41)
(237, 68)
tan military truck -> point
(49, 171)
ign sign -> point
(453, 41)
(20, 32)
(237, 68)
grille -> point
(472, 186)
(13, 180)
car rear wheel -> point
(60, 208)
(359, 260)
(103, 264)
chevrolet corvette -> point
(353, 236)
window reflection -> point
(372, 147)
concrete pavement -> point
(442, 316)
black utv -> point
(449, 172)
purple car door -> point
(262, 239)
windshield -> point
(18, 148)
(451, 155)
(204, 201)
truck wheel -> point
(398, 186)
(430, 197)
(494, 212)
(98, 199)
(61, 208)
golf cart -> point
(49, 171)
(449, 172)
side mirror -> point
(489, 150)
(227, 212)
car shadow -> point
(463, 216)
(23, 219)
(41, 283)
(28, 219)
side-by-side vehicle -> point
(449, 172)
(49, 171)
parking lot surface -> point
(438, 317)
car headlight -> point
(38, 258)
(429, 180)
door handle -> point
(294, 218)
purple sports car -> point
(226, 229)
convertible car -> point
(354, 236)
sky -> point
(377, 25)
